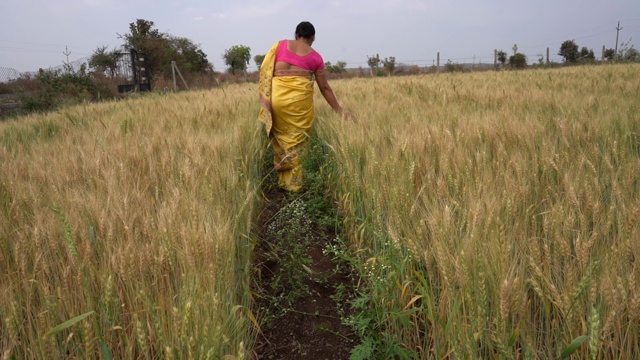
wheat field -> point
(489, 215)
(517, 197)
(138, 213)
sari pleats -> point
(293, 116)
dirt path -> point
(297, 284)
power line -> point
(29, 43)
(526, 46)
(34, 51)
(580, 35)
(13, 49)
(42, 44)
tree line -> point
(163, 48)
(569, 51)
(572, 54)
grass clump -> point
(292, 234)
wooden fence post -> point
(174, 68)
(173, 72)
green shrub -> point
(452, 67)
(518, 61)
(58, 88)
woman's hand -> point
(347, 115)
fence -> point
(8, 74)
(132, 70)
(75, 66)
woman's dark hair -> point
(305, 30)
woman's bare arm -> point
(327, 92)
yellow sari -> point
(287, 112)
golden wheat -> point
(130, 209)
(515, 192)
(531, 174)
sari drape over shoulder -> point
(288, 115)
(264, 87)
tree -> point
(338, 68)
(374, 63)
(453, 67)
(569, 51)
(518, 61)
(140, 33)
(161, 49)
(143, 38)
(259, 59)
(610, 54)
(103, 61)
(632, 55)
(502, 57)
(627, 52)
(237, 58)
(587, 55)
(188, 55)
(389, 64)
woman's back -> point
(297, 55)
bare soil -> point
(311, 327)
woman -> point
(286, 94)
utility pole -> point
(548, 57)
(67, 53)
(618, 28)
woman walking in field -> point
(286, 94)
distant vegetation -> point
(237, 58)
(97, 79)
(162, 49)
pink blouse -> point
(312, 61)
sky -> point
(39, 33)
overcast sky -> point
(34, 33)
